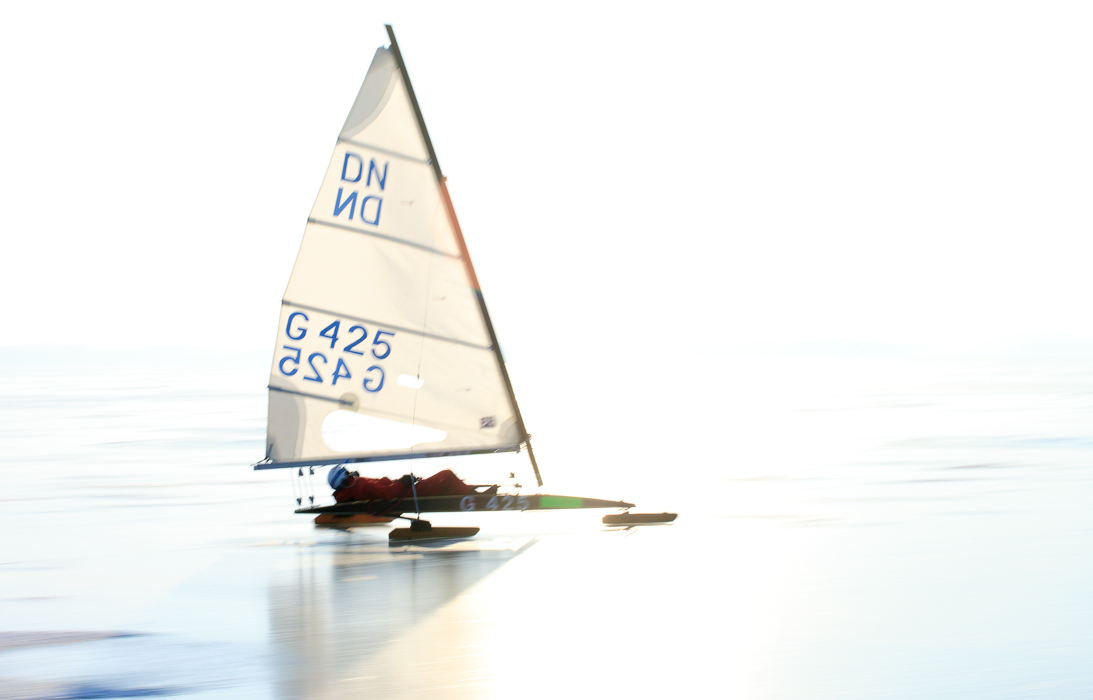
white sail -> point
(383, 348)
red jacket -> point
(443, 483)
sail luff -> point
(442, 181)
(413, 101)
(489, 327)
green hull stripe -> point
(560, 502)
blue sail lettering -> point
(351, 202)
(302, 330)
(381, 180)
(360, 168)
(375, 220)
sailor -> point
(351, 486)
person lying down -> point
(351, 486)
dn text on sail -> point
(354, 202)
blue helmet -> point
(338, 478)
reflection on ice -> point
(22, 640)
(333, 610)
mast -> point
(441, 180)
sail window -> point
(410, 381)
(349, 431)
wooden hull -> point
(350, 519)
(638, 518)
(406, 534)
(464, 504)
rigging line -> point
(295, 487)
(381, 236)
(401, 329)
(384, 151)
(420, 355)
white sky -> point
(643, 178)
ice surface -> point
(897, 528)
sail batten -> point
(310, 396)
(384, 151)
(384, 236)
